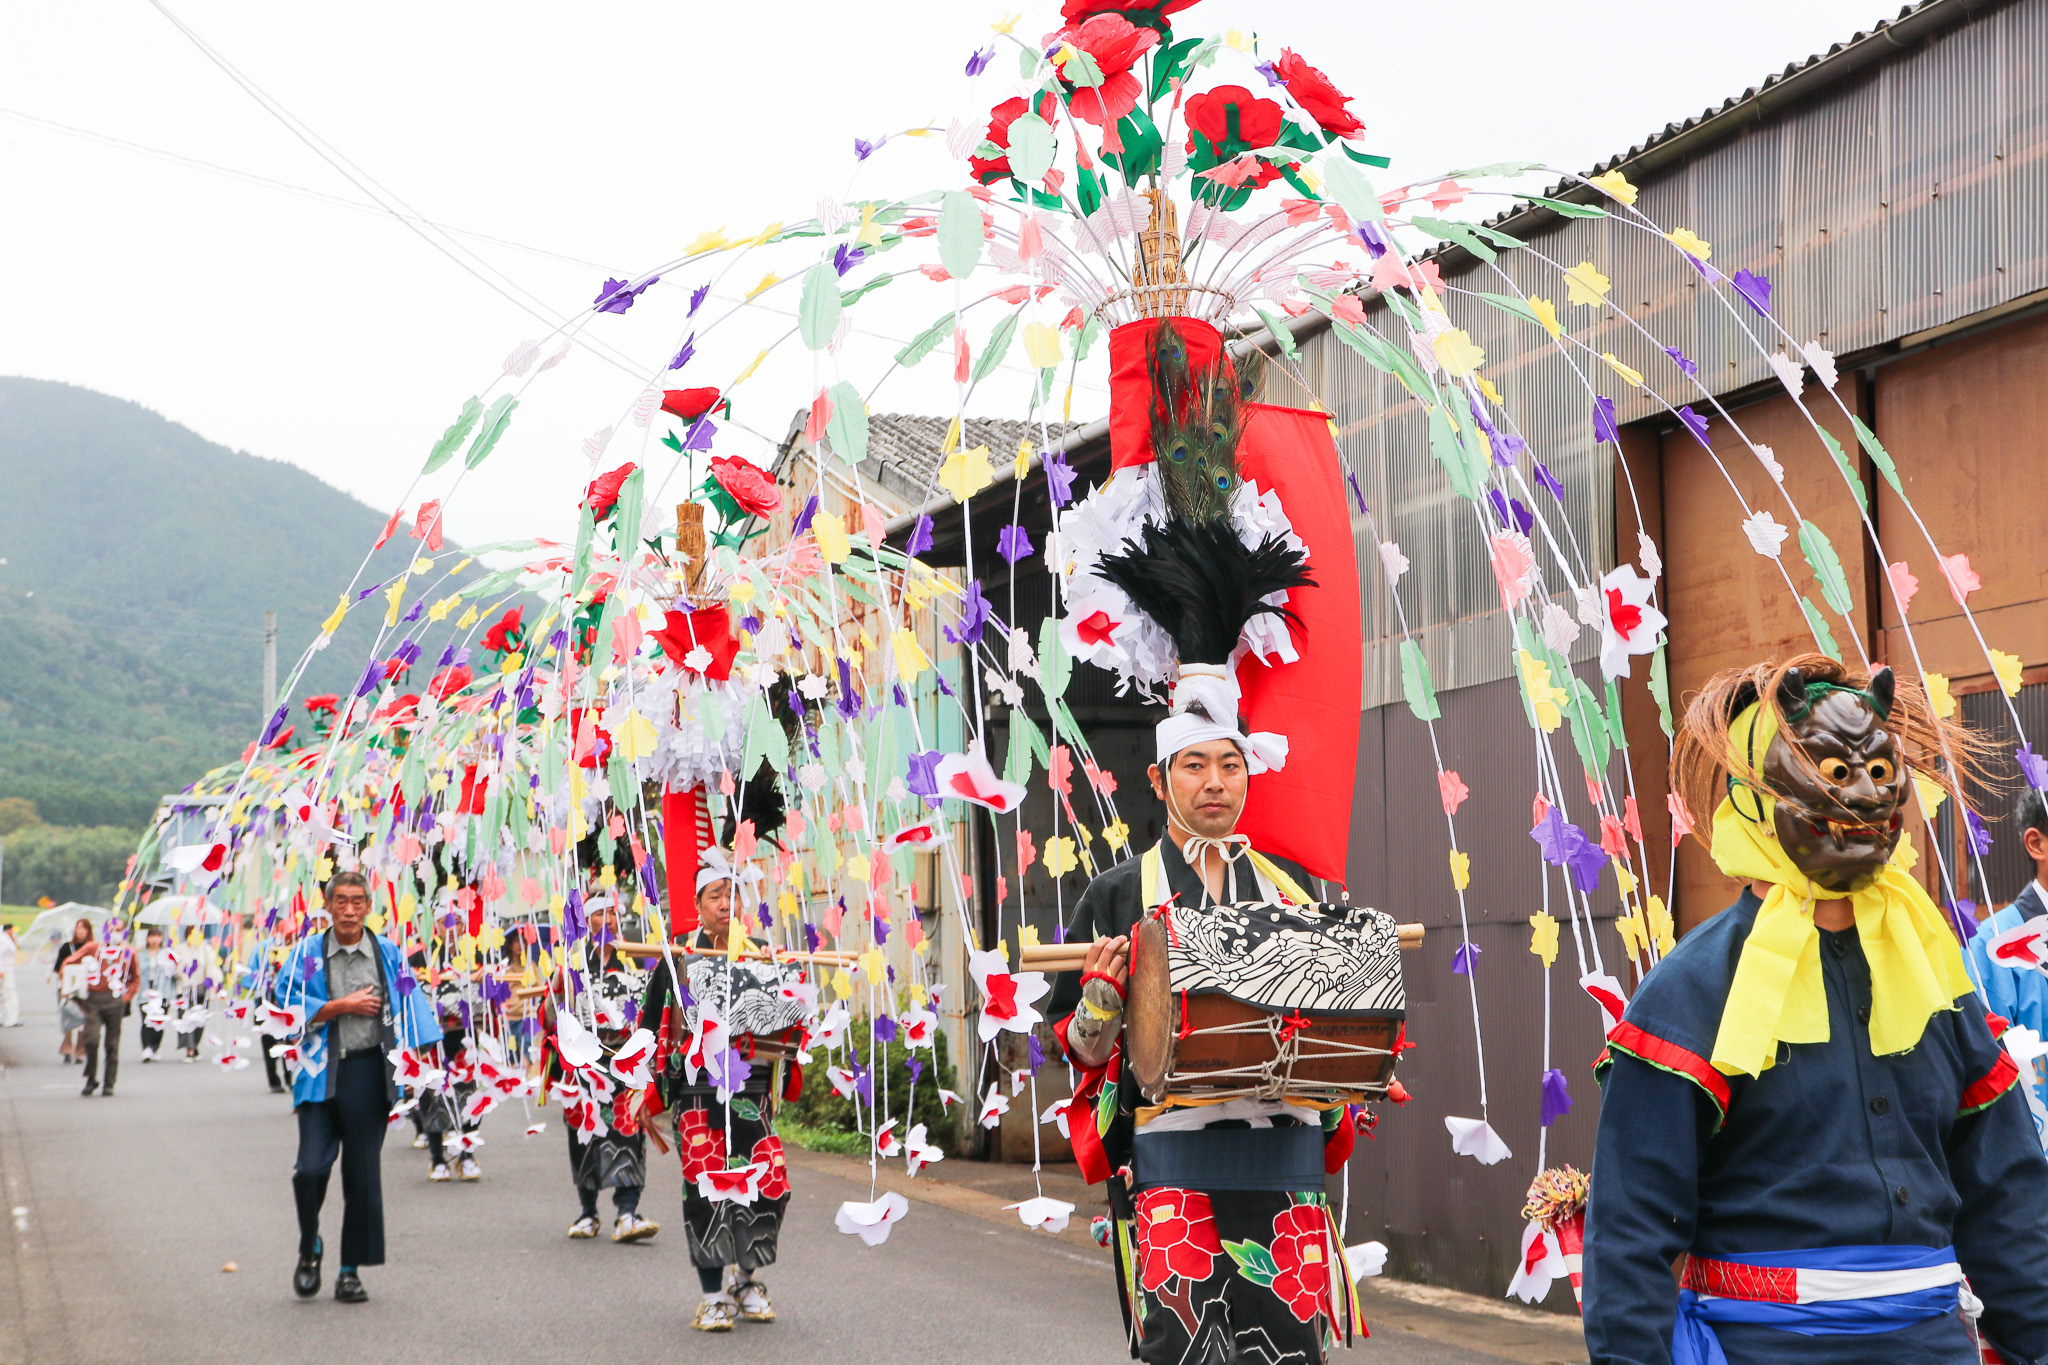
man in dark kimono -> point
(1212, 1267)
(614, 1158)
(1807, 1111)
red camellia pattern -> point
(1312, 90)
(703, 1147)
(1176, 1236)
(768, 1152)
(1301, 1248)
(748, 483)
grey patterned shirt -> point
(351, 969)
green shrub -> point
(67, 863)
(821, 1111)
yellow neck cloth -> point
(1777, 996)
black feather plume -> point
(760, 800)
(1200, 583)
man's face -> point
(349, 906)
(1203, 787)
(714, 910)
(606, 922)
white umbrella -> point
(57, 921)
(181, 910)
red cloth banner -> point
(1130, 388)
(683, 831)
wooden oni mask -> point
(1836, 771)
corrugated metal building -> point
(1894, 190)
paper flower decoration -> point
(1629, 625)
(1008, 997)
(871, 1222)
(1475, 1138)
(919, 1153)
(1044, 1213)
(993, 1106)
(969, 777)
(748, 485)
(1317, 95)
(603, 493)
(689, 404)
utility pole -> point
(269, 664)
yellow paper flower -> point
(1661, 926)
(1456, 352)
(396, 597)
(333, 623)
(966, 472)
(1486, 387)
(1633, 376)
(1116, 834)
(469, 619)
(1615, 184)
(910, 656)
(1546, 313)
(1022, 467)
(1059, 856)
(830, 528)
(1625, 878)
(768, 281)
(1632, 936)
(1461, 869)
(1938, 695)
(713, 240)
(1586, 285)
(1685, 240)
(1544, 696)
(1006, 23)
(752, 366)
(2007, 667)
(636, 738)
(1042, 345)
(1543, 936)
(440, 609)
(1932, 794)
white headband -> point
(1205, 708)
(715, 867)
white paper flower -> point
(1789, 371)
(1629, 625)
(871, 1222)
(1766, 535)
(1823, 362)
(1396, 562)
(1044, 1212)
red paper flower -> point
(709, 627)
(748, 484)
(1115, 44)
(504, 632)
(1312, 90)
(689, 404)
(1233, 120)
(1075, 10)
(1301, 1248)
(703, 1147)
(989, 169)
(1176, 1236)
(326, 703)
(768, 1152)
(603, 493)
(448, 682)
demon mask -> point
(1836, 771)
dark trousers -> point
(351, 1126)
(152, 1038)
(102, 1015)
(269, 1062)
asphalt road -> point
(127, 1212)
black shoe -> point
(90, 1086)
(348, 1288)
(108, 1093)
(306, 1279)
(276, 1088)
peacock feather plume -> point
(1197, 421)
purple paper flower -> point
(978, 63)
(700, 434)
(371, 675)
(619, 295)
(1962, 916)
(923, 778)
(2032, 766)
(803, 518)
(1266, 69)
(849, 702)
(1686, 367)
(1059, 478)
(1565, 845)
(811, 938)
(273, 726)
(864, 1082)
(1357, 493)
(920, 537)
(846, 256)
(1695, 424)
(1557, 1097)
(1035, 1050)
(728, 1070)
(683, 356)
(1507, 447)
(885, 1028)
(1980, 837)
(1549, 480)
(418, 610)
(447, 656)
(916, 1069)
(1511, 511)
(1014, 543)
(973, 616)
(1463, 960)
(575, 924)
(1755, 290)
(882, 937)
(863, 149)
(1373, 239)
(1603, 420)
(697, 297)
(366, 592)
(899, 696)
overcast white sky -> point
(604, 136)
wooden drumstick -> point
(1067, 957)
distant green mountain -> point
(139, 560)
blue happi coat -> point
(1831, 1147)
(301, 984)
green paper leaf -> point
(1617, 732)
(1879, 456)
(1027, 62)
(1031, 150)
(1169, 63)
(998, 346)
(1142, 143)
(1055, 665)
(1344, 182)
(1848, 470)
(1254, 1262)
(1452, 453)
(1660, 688)
(1824, 637)
(1508, 303)
(1283, 336)
(1568, 210)
(849, 297)
(1827, 567)
(1505, 241)
(1415, 682)
(495, 419)
(1589, 727)
(453, 436)
(817, 315)
(1017, 768)
(1088, 189)
(747, 1110)
(626, 517)
(1460, 233)
(848, 429)
(1384, 355)
(925, 342)
(959, 233)
(1090, 330)
(1501, 168)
